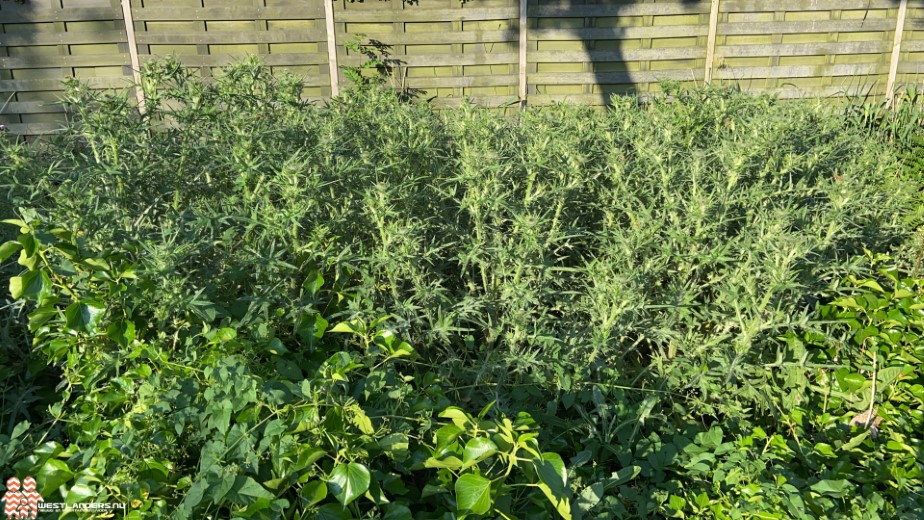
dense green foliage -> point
(242, 305)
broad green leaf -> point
(307, 455)
(477, 449)
(313, 282)
(346, 326)
(849, 381)
(446, 435)
(622, 476)
(590, 496)
(224, 486)
(856, 441)
(581, 458)
(249, 487)
(348, 482)
(395, 444)
(53, 474)
(888, 375)
(122, 332)
(333, 512)
(310, 328)
(97, 264)
(33, 285)
(835, 488)
(825, 449)
(83, 316)
(16, 222)
(20, 429)
(314, 492)
(79, 492)
(554, 482)
(702, 500)
(224, 335)
(7, 249)
(458, 416)
(710, 439)
(473, 494)
(359, 419)
(676, 503)
(397, 512)
(29, 243)
(447, 463)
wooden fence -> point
(492, 51)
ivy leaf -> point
(348, 482)
(7, 249)
(476, 450)
(80, 491)
(333, 512)
(122, 332)
(554, 482)
(314, 492)
(247, 486)
(473, 494)
(53, 474)
(834, 488)
(622, 476)
(397, 512)
(34, 285)
(84, 316)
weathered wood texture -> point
(806, 48)
(575, 50)
(43, 42)
(444, 48)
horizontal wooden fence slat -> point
(756, 6)
(430, 15)
(228, 13)
(71, 14)
(801, 49)
(484, 101)
(222, 37)
(32, 85)
(220, 60)
(668, 53)
(62, 38)
(496, 80)
(567, 10)
(72, 60)
(437, 38)
(34, 128)
(31, 107)
(580, 78)
(916, 67)
(806, 27)
(800, 71)
(667, 31)
(442, 60)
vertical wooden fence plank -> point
(710, 40)
(523, 29)
(133, 50)
(896, 51)
(332, 48)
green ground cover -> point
(240, 305)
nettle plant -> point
(218, 419)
